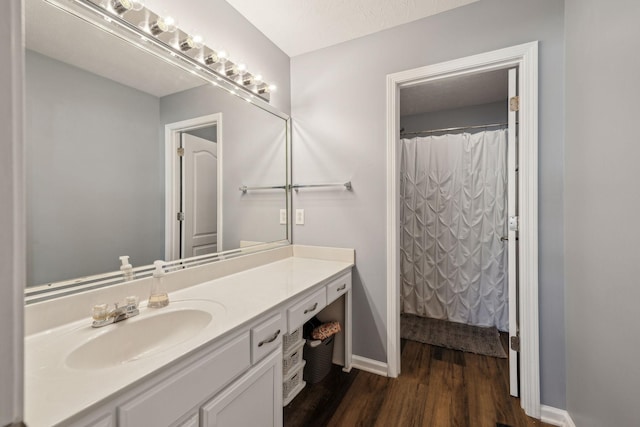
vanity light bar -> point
(134, 16)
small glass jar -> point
(100, 312)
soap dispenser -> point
(126, 268)
(158, 297)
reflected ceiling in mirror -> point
(98, 105)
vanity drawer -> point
(338, 287)
(306, 309)
(168, 401)
(266, 337)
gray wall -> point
(12, 267)
(495, 112)
(95, 186)
(254, 154)
(601, 204)
(225, 28)
(338, 102)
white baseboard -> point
(369, 365)
(555, 416)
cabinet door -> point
(193, 421)
(253, 400)
(165, 403)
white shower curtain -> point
(453, 213)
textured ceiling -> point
(300, 26)
(454, 92)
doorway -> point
(525, 312)
(457, 190)
(193, 187)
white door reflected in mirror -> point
(200, 196)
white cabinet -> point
(167, 402)
(266, 337)
(338, 287)
(192, 421)
(306, 309)
(236, 380)
(255, 400)
(324, 304)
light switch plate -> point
(299, 216)
(283, 216)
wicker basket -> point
(291, 340)
(293, 384)
(292, 360)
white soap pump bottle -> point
(158, 297)
(126, 268)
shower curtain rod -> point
(454, 129)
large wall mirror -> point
(131, 152)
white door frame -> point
(172, 133)
(13, 253)
(525, 57)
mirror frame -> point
(118, 27)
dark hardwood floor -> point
(438, 387)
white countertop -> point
(54, 391)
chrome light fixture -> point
(211, 59)
(122, 6)
(186, 47)
(231, 69)
(158, 26)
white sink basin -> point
(147, 334)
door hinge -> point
(514, 223)
(180, 216)
(515, 343)
(180, 151)
(514, 103)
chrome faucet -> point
(102, 316)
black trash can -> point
(318, 360)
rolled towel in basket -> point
(325, 330)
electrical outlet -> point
(299, 216)
(283, 216)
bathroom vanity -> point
(213, 357)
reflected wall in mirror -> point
(101, 178)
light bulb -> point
(158, 26)
(137, 5)
(258, 78)
(242, 68)
(263, 88)
(272, 88)
(223, 55)
(198, 40)
(170, 22)
(211, 59)
(186, 44)
(230, 69)
(120, 6)
(247, 79)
